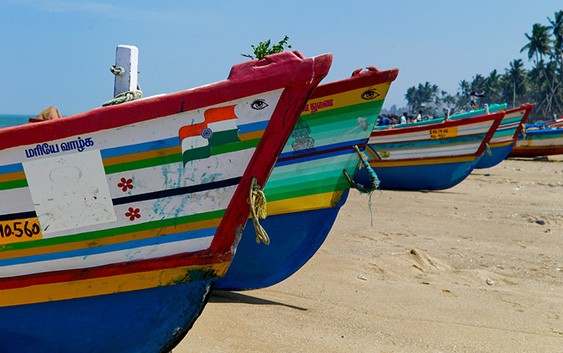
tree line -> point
(542, 84)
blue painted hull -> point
(295, 238)
(420, 177)
(498, 154)
(144, 321)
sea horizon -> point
(14, 119)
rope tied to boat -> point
(489, 153)
(123, 97)
(257, 200)
(374, 180)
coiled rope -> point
(258, 210)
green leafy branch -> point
(263, 48)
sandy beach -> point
(475, 268)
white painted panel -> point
(69, 191)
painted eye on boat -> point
(370, 94)
(259, 104)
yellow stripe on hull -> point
(411, 162)
(254, 135)
(133, 157)
(345, 99)
(12, 176)
(110, 161)
(105, 285)
(91, 243)
(500, 144)
(304, 203)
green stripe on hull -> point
(145, 163)
(13, 184)
(340, 114)
(100, 234)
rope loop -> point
(117, 70)
(374, 180)
(257, 201)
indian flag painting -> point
(220, 132)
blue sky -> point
(58, 52)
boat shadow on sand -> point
(221, 296)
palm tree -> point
(557, 31)
(556, 26)
(539, 42)
(539, 45)
(464, 88)
(493, 87)
(516, 75)
(410, 97)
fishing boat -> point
(493, 108)
(429, 156)
(557, 123)
(505, 136)
(538, 143)
(115, 223)
(311, 179)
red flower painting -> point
(125, 184)
(133, 213)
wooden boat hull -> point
(259, 266)
(428, 177)
(137, 205)
(494, 155)
(505, 137)
(536, 143)
(307, 186)
(431, 156)
(120, 318)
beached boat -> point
(493, 108)
(538, 142)
(114, 223)
(429, 156)
(555, 123)
(308, 184)
(505, 136)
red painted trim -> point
(443, 124)
(535, 151)
(188, 259)
(528, 107)
(275, 136)
(247, 78)
(498, 118)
